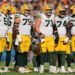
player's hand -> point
(65, 41)
(42, 40)
(42, 36)
(19, 38)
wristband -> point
(40, 33)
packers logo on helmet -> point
(24, 8)
(5, 8)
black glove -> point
(56, 37)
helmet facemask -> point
(49, 12)
(62, 13)
(27, 12)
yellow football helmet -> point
(74, 12)
(60, 11)
(0, 10)
(13, 10)
(5, 8)
(46, 7)
(72, 7)
(57, 12)
(24, 8)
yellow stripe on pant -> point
(68, 51)
(8, 48)
(61, 46)
(25, 45)
(48, 45)
(73, 43)
(2, 44)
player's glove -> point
(42, 40)
(56, 38)
(19, 38)
(65, 41)
(16, 42)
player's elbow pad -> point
(68, 30)
(32, 31)
(54, 27)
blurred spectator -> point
(5, 2)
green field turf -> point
(34, 73)
(15, 73)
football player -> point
(10, 32)
(4, 27)
(45, 27)
(36, 52)
(68, 52)
(35, 45)
(23, 25)
(72, 22)
(63, 26)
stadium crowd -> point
(43, 26)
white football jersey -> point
(72, 21)
(11, 21)
(24, 26)
(3, 25)
(61, 24)
(46, 25)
